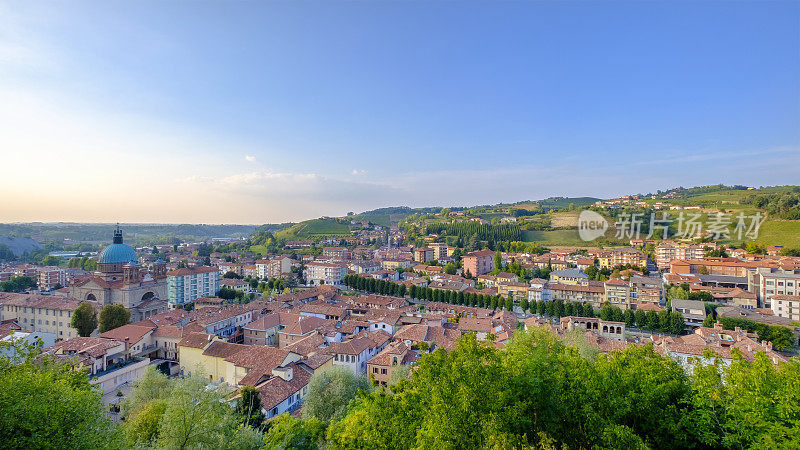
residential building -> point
(787, 306)
(394, 355)
(319, 273)
(478, 263)
(263, 331)
(693, 311)
(186, 285)
(423, 254)
(340, 253)
(568, 276)
(49, 278)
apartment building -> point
(186, 285)
(777, 283)
(646, 289)
(49, 277)
(478, 263)
(439, 250)
(617, 293)
(395, 263)
(319, 273)
(627, 255)
(569, 276)
(365, 267)
(423, 254)
(341, 253)
(668, 251)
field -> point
(780, 232)
(554, 237)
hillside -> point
(315, 228)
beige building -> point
(41, 313)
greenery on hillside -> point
(315, 228)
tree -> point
(286, 432)
(641, 319)
(708, 321)
(248, 406)
(84, 319)
(184, 413)
(51, 261)
(498, 260)
(630, 320)
(330, 391)
(113, 316)
(17, 284)
(44, 403)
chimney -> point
(284, 373)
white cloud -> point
(250, 158)
(358, 172)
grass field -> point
(780, 232)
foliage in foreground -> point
(540, 393)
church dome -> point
(118, 253)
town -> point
(338, 225)
(375, 299)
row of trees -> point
(662, 321)
(383, 287)
(483, 232)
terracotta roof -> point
(132, 333)
(276, 390)
(196, 340)
(265, 322)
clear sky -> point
(254, 112)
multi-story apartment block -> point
(478, 263)
(276, 267)
(646, 289)
(190, 283)
(618, 293)
(439, 250)
(777, 283)
(394, 263)
(341, 253)
(423, 254)
(787, 306)
(624, 256)
(318, 273)
(49, 277)
(668, 251)
(365, 266)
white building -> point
(318, 273)
(188, 284)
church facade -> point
(120, 280)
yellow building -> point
(205, 355)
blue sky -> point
(259, 112)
